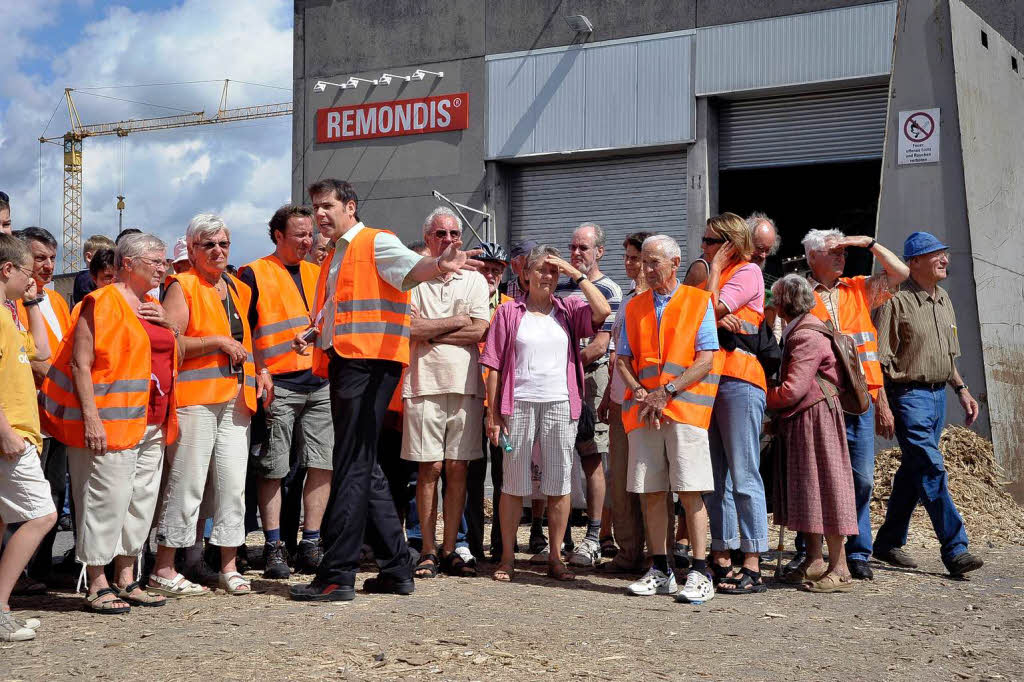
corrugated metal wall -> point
(616, 94)
(622, 195)
(845, 125)
(853, 42)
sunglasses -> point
(441, 234)
(208, 246)
(713, 240)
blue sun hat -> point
(920, 243)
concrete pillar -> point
(702, 175)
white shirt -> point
(50, 317)
(394, 263)
(542, 349)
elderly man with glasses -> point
(918, 347)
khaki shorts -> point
(439, 427)
(305, 417)
(594, 384)
(674, 458)
(24, 492)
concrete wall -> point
(931, 196)
(990, 97)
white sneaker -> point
(653, 582)
(13, 631)
(467, 556)
(587, 554)
(697, 589)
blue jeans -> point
(734, 436)
(920, 414)
(860, 439)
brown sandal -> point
(558, 571)
(146, 599)
(828, 584)
(799, 576)
(504, 574)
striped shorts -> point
(551, 426)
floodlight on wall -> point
(386, 78)
(579, 23)
(322, 85)
(420, 74)
(354, 82)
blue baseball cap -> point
(920, 243)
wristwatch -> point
(579, 279)
(32, 302)
(958, 389)
(671, 389)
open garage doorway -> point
(800, 198)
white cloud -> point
(242, 171)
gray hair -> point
(437, 213)
(817, 240)
(664, 243)
(793, 296)
(204, 225)
(539, 253)
(598, 232)
(135, 245)
(755, 219)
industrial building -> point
(873, 117)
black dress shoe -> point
(388, 584)
(894, 556)
(964, 563)
(795, 562)
(318, 591)
(860, 570)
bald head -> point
(765, 237)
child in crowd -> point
(24, 493)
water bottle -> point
(504, 442)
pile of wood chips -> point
(976, 481)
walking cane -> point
(778, 552)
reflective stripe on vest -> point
(855, 321)
(121, 378)
(371, 317)
(741, 363)
(277, 320)
(207, 379)
(663, 352)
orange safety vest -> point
(60, 309)
(855, 320)
(207, 379)
(663, 352)
(371, 317)
(279, 309)
(121, 376)
(741, 363)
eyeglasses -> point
(28, 272)
(153, 262)
(208, 246)
(713, 240)
(441, 234)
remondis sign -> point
(437, 114)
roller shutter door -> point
(622, 195)
(845, 125)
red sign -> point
(437, 114)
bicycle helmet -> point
(493, 251)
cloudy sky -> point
(240, 170)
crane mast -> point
(72, 143)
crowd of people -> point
(332, 384)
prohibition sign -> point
(918, 127)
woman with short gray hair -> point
(815, 496)
(107, 396)
(216, 395)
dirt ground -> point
(916, 624)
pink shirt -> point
(744, 288)
(576, 318)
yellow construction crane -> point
(72, 142)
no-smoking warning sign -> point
(918, 136)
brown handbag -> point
(854, 397)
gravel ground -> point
(918, 624)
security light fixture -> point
(419, 74)
(322, 86)
(386, 78)
(354, 82)
(579, 23)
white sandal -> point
(233, 582)
(177, 587)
